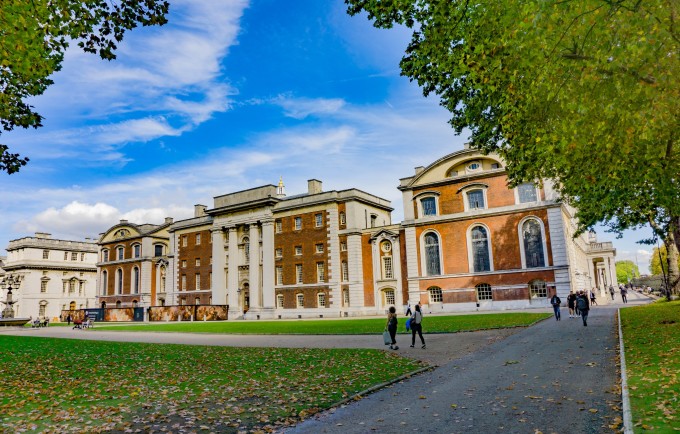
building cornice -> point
(477, 214)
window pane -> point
(484, 292)
(428, 204)
(389, 296)
(435, 294)
(533, 244)
(480, 250)
(476, 199)
(526, 192)
(387, 268)
(432, 254)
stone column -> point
(254, 266)
(355, 268)
(219, 286)
(268, 292)
(232, 284)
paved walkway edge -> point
(625, 398)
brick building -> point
(467, 241)
(133, 264)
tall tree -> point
(626, 270)
(582, 92)
(659, 256)
(33, 38)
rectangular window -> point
(184, 240)
(279, 301)
(198, 262)
(318, 220)
(343, 218)
(43, 286)
(278, 252)
(184, 282)
(65, 256)
(298, 273)
(278, 227)
(64, 287)
(389, 297)
(198, 239)
(298, 250)
(322, 300)
(279, 275)
(526, 192)
(387, 268)
(320, 272)
(345, 271)
(105, 256)
(495, 166)
(319, 248)
(476, 199)
(46, 254)
(298, 223)
(374, 220)
(429, 206)
(198, 282)
(300, 299)
(343, 246)
(137, 250)
(121, 253)
(184, 263)
(82, 256)
(345, 297)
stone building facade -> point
(55, 275)
(468, 241)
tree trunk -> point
(672, 248)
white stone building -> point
(55, 275)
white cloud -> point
(300, 108)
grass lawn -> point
(652, 342)
(62, 385)
(431, 324)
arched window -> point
(435, 294)
(538, 289)
(135, 303)
(135, 280)
(484, 292)
(432, 261)
(481, 260)
(105, 281)
(388, 296)
(532, 239)
(119, 304)
(119, 281)
(279, 301)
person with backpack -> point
(417, 327)
(583, 307)
(556, 302)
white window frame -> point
(343, 218)
(344, 267)
(278, 227)
(120, 253)
(298, 273)
(321, 299)
(345, 297)
(278, 252)
(318, 220)
(521, 241)
(297, 223)
(279, 301)
(298, 250)
(538, 193)
(318, 248)
(136, 250)
(427, 195)
(300, 300)
(467, 199)
(476, 170)
(197, 281)
(185, 240)
(389, 296)
(135, 285)
(105, 255)
(198, 262)
(198, 239)
(119, 281)
(105, 282)
(320, 272)
(46, 254)
(343, 246)
(468, 238)
(43, 286)
(483, 286)
(531, 291)
(279, 275)
(423, 257)
(387, 267)
(435, 294)
(183, 282)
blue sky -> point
(229, 95)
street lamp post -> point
(10, 282)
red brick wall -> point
(307, 237)
(190, 253)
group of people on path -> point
(577, 303)
(414, 323)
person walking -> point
(624, 294)
(571, 304)
(611, 291)
(556, 302)
(68, 319)
(408, 311)
(391, 327)
(593, 301)
(417, 327)
(583, 307)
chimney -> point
(199, 210)
(42, 235)
(419, 169)
(168, 220)
(466, 146)
(314, 186)
(122, 222)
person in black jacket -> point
(556, 302)
(571, 304)
(583, 307)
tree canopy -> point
(582, 92)
(33, 38)
(626, 270)
(659, 256)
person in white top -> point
(417, 327)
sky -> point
(229, 95)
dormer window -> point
(474, 166)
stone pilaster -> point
(219, 285)
(232, 284)
(268, 293)
(254, 267)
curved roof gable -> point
(440, 169)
